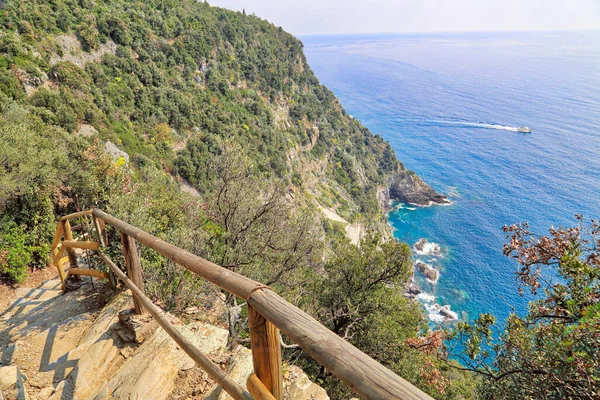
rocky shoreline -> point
(407, 187)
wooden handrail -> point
(76, 215)
(231, 281)
(229, 385)
(80, 244)
(359, 371)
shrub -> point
(15, 255)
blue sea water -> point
(449, 105)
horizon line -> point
(446, 32)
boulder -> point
(115, 152)
(239, 369)
(431, 274)
(86, 130)
(12, 383)
(297, 386)
(154, 367)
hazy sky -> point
(303, 17)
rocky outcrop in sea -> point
(431, 274)
(407, 187)
(423, 247)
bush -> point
(15, 255)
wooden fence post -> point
(57, 253)
(68, 233)
(266, 352)
(134, 268)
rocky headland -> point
(407, 187)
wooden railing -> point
(268, 313)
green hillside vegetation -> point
(226, 101)
(188, 71)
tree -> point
(258, 228)
(359, 297)
(554, 351)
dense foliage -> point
(155, 76)
(554, 351)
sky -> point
(312, 17)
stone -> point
(86, 130)
(300, 387)
(45, 393)
(152, 370)
(239, 369)
(430, 273)
(115, 152)
(8, 376)
(12, 383)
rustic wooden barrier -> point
(268, 313)
(359, 371)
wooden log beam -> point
(80, 244)
(99, 231)
(364, 375)
(134, 268)
(257, 389)
(229, 385)
(58, 262)
(266, 352)
(57, 235)
(69, 237)
(88, 272)
(77, 215)
(231, 281)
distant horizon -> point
(447, 33)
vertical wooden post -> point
(134, 268)
(98, 231)
(266, 352)
(57, 253)
(70, 252)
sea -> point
(451, 105)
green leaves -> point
(554, 350)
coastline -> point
(426, 261)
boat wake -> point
(479, 125)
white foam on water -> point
(426, 297)
(429, 248)
(463, 124)
(433, 309)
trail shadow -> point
(31, 315)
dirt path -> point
(34, 279)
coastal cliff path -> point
(87, 344)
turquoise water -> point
(450, 105)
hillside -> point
(171, 81)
